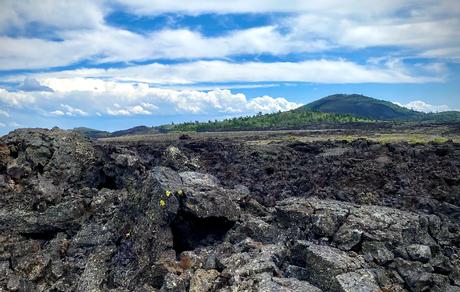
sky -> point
(113, 65)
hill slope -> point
(333, 109)
(361, 106)
(139, 130)
(92, 133)
(443, 117)
(274, 121)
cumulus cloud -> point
(68, 111)
(128, 111)
(17, 99)
(31, 84)
(72, 111)
(99, 97)
(422, 106)
(269, 104)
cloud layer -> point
(317, 71)
(428, 28)
(71, 97)
(422, 106)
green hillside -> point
(442, 117)
(333, 109)
(361, 106)
(274, 121)
(92, 133)
(139, 130)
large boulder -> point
(324, 263)
(358, 281)
(204, 197)
(348, 225)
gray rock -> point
(203, 280)
(417, 276)
(174, 283)
(419, 252)
(255, 228)
(274, 284)
(349, 223)
(174, 158)
(197, 179)
(63, 216)
(323, 263)
(205, 198)
(377, 251)
(358, 281)
(255, 259)
(95, 271)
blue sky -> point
(116, 64)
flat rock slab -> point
(324, 263)
(357, 281)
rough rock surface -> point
(222, 215)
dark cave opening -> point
(14, 153)
(269, 170)
(46, 235)
(107, 182)
(190, 232)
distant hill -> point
(139, 130)
(96, 134)
(92, 133)
(274, 121)
(442, 117)
(333, 109)
(361, 106)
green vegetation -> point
(92, 132)
(333, 109)
(274, 121)
(139, 130)
(162, 203)
(450, 116)
(411, 138)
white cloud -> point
(428, 34)
(335, 7)
(17, 99)
(31, 84)
(269, 104)
(99, 97)
(72, 111)
(318, 71)
(106, 44)
(428, 27)
(2, 125)
(127, 111)
(68, 111)
(4, 113)
(52, 13)
(58, 113)
(422, 106)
